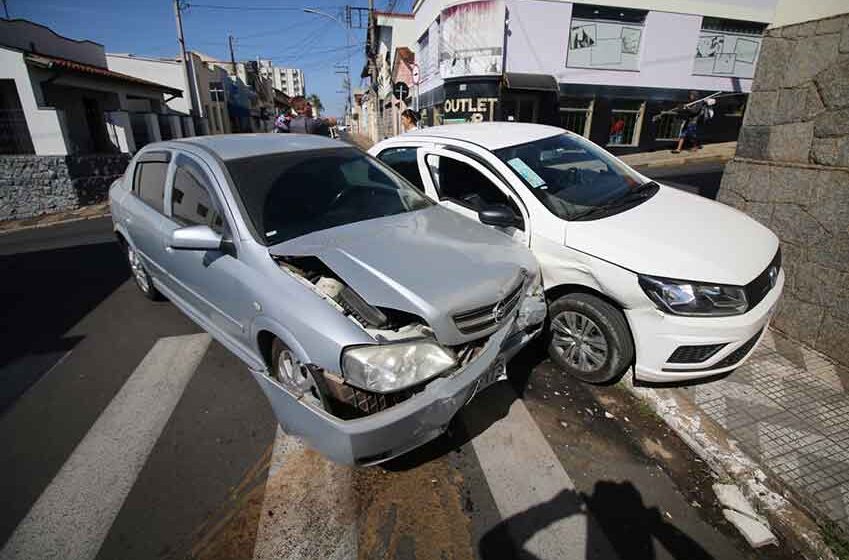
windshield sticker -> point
(270, 233)
(526, 172)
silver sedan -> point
(367, 314)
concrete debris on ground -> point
(740, 513)
(85, 213)
(755, 532)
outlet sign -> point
(470, 109)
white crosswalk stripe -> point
(73, 515)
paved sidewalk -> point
(85, 213)
(788, 408)
(721, 152)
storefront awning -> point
(535, 82)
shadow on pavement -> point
(46, 293)
(618, 519)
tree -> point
(315, 101)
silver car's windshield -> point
(287, 195)
(574, 178)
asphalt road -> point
(128, 433)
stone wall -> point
(35, 185)
(791, 173)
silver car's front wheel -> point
(295, 376)
(140, 275)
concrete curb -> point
(670, 162)
(68, 220)
(712, 443)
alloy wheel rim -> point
(579, 341)
(138, 270)
(294, 375)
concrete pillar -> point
(152, 121)
(176, 129)
(120, 131)
(188, 127)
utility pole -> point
(232, 54)
(6, 9)
(194, 106)
(372, 65)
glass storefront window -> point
(626, 119)
(576, 115)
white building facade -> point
(601, 69)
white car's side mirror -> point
(195, 238)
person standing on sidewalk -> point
(305, 123)
(409, 120)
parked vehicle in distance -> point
(368, 314)
(635, 273)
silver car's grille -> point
(482, 318)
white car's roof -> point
(491, 135)
(235, 146)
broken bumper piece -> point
(396, 430)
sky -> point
(275, 29)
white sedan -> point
(636, 273)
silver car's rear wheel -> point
(140, 275)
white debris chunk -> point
(608, 415)
(756, 533)
(731, 497)
(564, 424)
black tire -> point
(140, 275)
(314, 387)
(582, 359)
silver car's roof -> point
(235, 146)
(491, 135)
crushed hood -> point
(678, 235)
(432, 263)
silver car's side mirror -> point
(197, 238)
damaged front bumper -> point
(405, 426)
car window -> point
(192, 201)
(404, 161)
(460, 182)
(574, 178)
(149, 183)
(290, 194)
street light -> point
(348, 41)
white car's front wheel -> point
(589, 339)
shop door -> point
(520, 108)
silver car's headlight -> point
(695, 299)
(384, 368)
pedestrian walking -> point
(691, 113)
(617, 131)
(305, 123)
(409, 120)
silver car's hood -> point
(433, 263)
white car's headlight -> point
(692, 298)
(384, 368)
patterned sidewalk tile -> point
(788, 407)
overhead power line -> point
(244, 8)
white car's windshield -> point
(291, 194)
(574, 178)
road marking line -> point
(522, 471)
(308, 510)
(73, 515)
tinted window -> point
(403, 160)
(460, 182)
(290, 194)
(574, 178)
(150, 183)
(191, 200)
